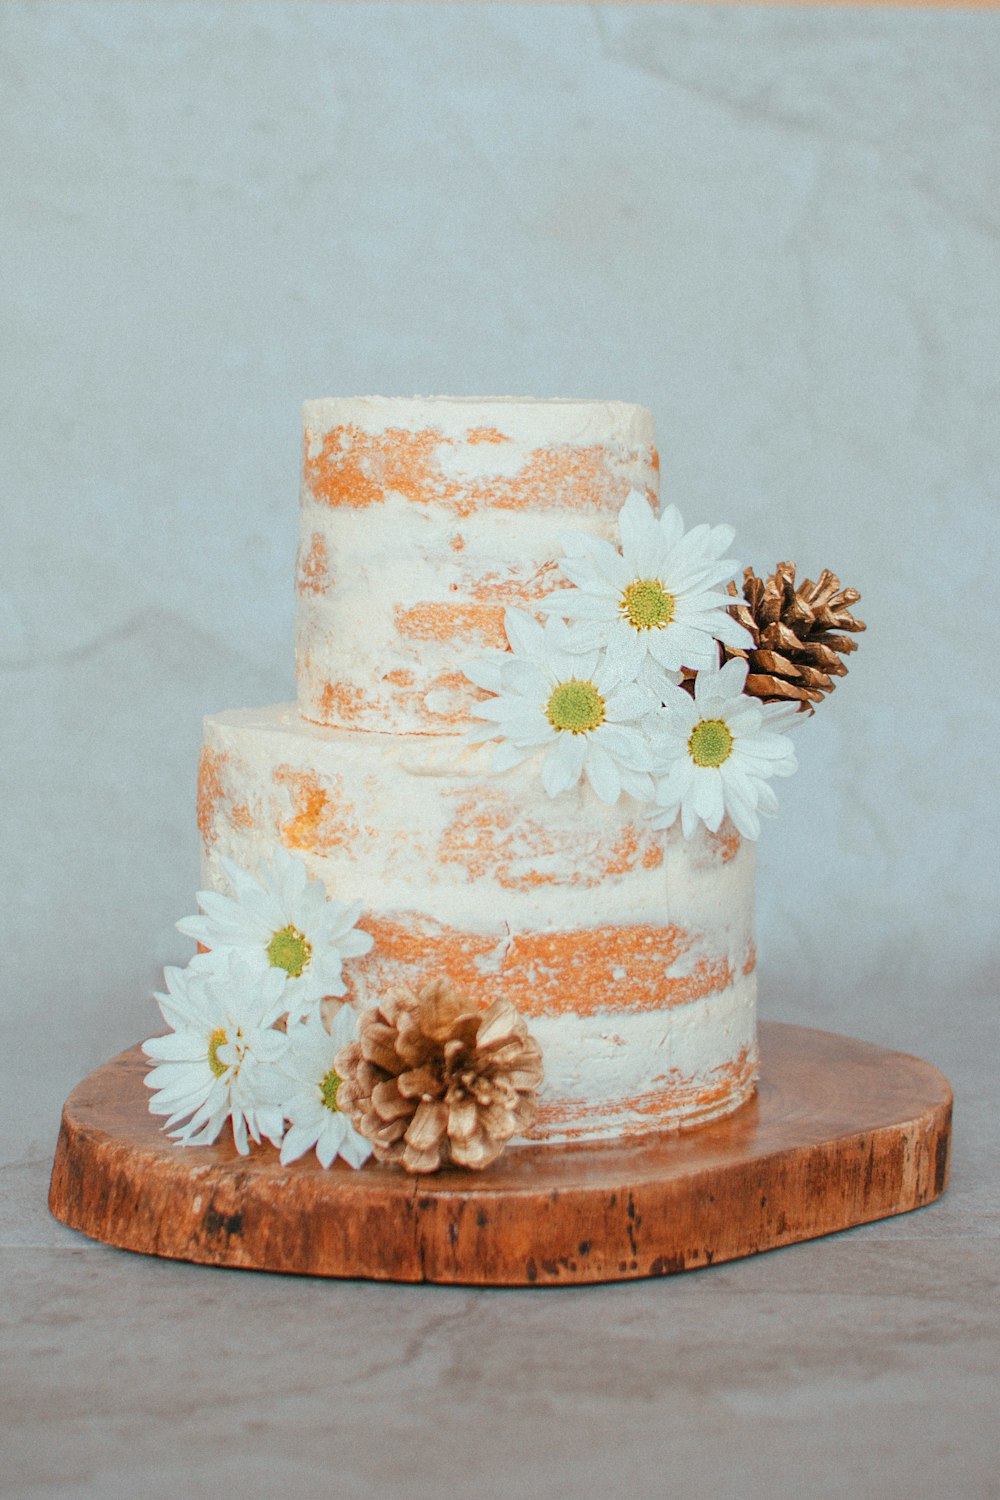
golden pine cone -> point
(431, 1079)
(798, 634)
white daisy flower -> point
(219, 1060)
(310, 1104)
(282, 921)
(572, 703)
(718, 750)
(657, 598)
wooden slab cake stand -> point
(840, 1133)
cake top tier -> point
(422, 520)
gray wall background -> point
(777, 228)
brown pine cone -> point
(798, 633)
(431, 1079)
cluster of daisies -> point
(597, 690)
(248, 1041)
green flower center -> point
(711, 743)
(328, 1088)
(289, 949)
(576, 706)
(646, 605)
(216, 1040)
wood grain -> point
(840, 1133)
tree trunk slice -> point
(840, 1133)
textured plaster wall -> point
(776, 228)
(779, 229)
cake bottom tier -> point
(630, 952)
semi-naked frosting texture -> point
(630, 952)
(422, 520)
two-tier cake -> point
(628, 950)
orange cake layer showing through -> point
(422, 521)
(583, 971)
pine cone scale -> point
(418, 1083)
(420, 1161)
(819, 654)
(462, 1117)
(777, 690)
(779, 637)
(842, 643)
(427, 1125)
(774, 662)
(813, 677)
(388, 1102)
(501, 1023)
(384, 1134)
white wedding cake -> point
(628, 950)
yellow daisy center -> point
(576, 706)
(328, 1088)
(289, 949)
(711, 743)
(216, 1040)
(646, 605)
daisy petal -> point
(507, 756)
(603, 775)
(524, 633)
(577, 604)
(708, 799)
(629, 704)
(562, 765)
(731, 678)
(639, 530)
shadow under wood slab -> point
(840, 1133)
